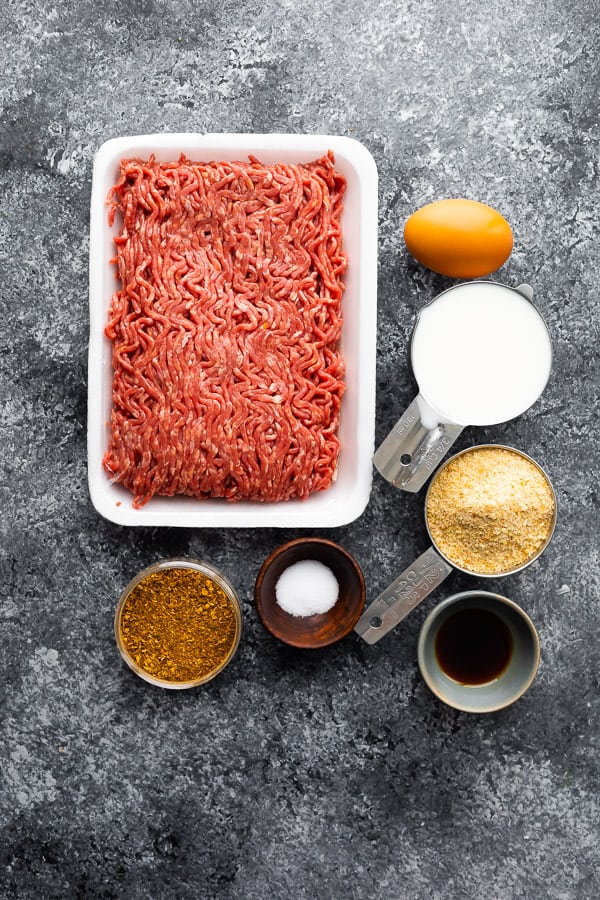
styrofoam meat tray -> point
(348, 496)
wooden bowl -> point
(311, 632)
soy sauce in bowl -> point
(473, 646)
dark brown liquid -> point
(473, 646)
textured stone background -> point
(334, 774)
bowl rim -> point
(306, 542)
(197, 565)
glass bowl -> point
(219, 580)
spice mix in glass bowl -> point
(178, 623)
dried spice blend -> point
(490, 510)
(178, 625)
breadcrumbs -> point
(490, 510)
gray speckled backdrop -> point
(334, 774)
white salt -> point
(307, 588)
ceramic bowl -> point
(311, 632)
(499, 692)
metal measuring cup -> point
(422, 437)
(431, 568)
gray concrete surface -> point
(333, 774)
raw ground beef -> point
(228, 376)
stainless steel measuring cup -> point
(423, 436)
(431, 568)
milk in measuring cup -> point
(481, 354)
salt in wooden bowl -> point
(322, 629)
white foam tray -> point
(348, 496)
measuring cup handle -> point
(417, 582)
(414, 446)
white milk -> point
(481, 354)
